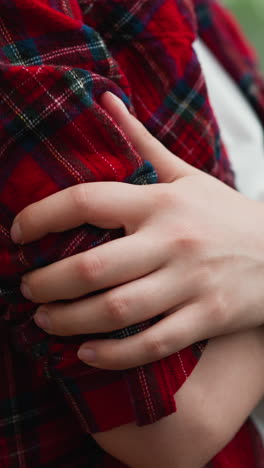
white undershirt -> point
(240, 128)
(242, 134)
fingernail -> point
(86, 354)
(25, 290)
(118, 101)
(16, 233)
(41, 319)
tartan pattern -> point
(55, 62)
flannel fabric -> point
(56, 59)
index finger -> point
(168, 166)
(105, 204)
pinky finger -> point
(171, 334)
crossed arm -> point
(209, 412)
(42, 291)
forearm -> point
(209, 410)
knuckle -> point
(156, 348)
(164, 196)
(90, 267)
(205, 278)
(218, 309)
(187, 242)
(184, 242)
(79, 196)
(117, 309)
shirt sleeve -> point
(54, 134)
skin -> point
(210, 271)
(191, 237)
(204, 421)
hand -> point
(193, 250)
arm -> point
(214, 402)
(226, 363)
(191, 237)
(68, 370)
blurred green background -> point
(250, 14)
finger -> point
(168, 166)
(118, 308)
(107, 205)
(103, 267)
(172, 334)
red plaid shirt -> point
(56, 59)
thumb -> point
(168, 166)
